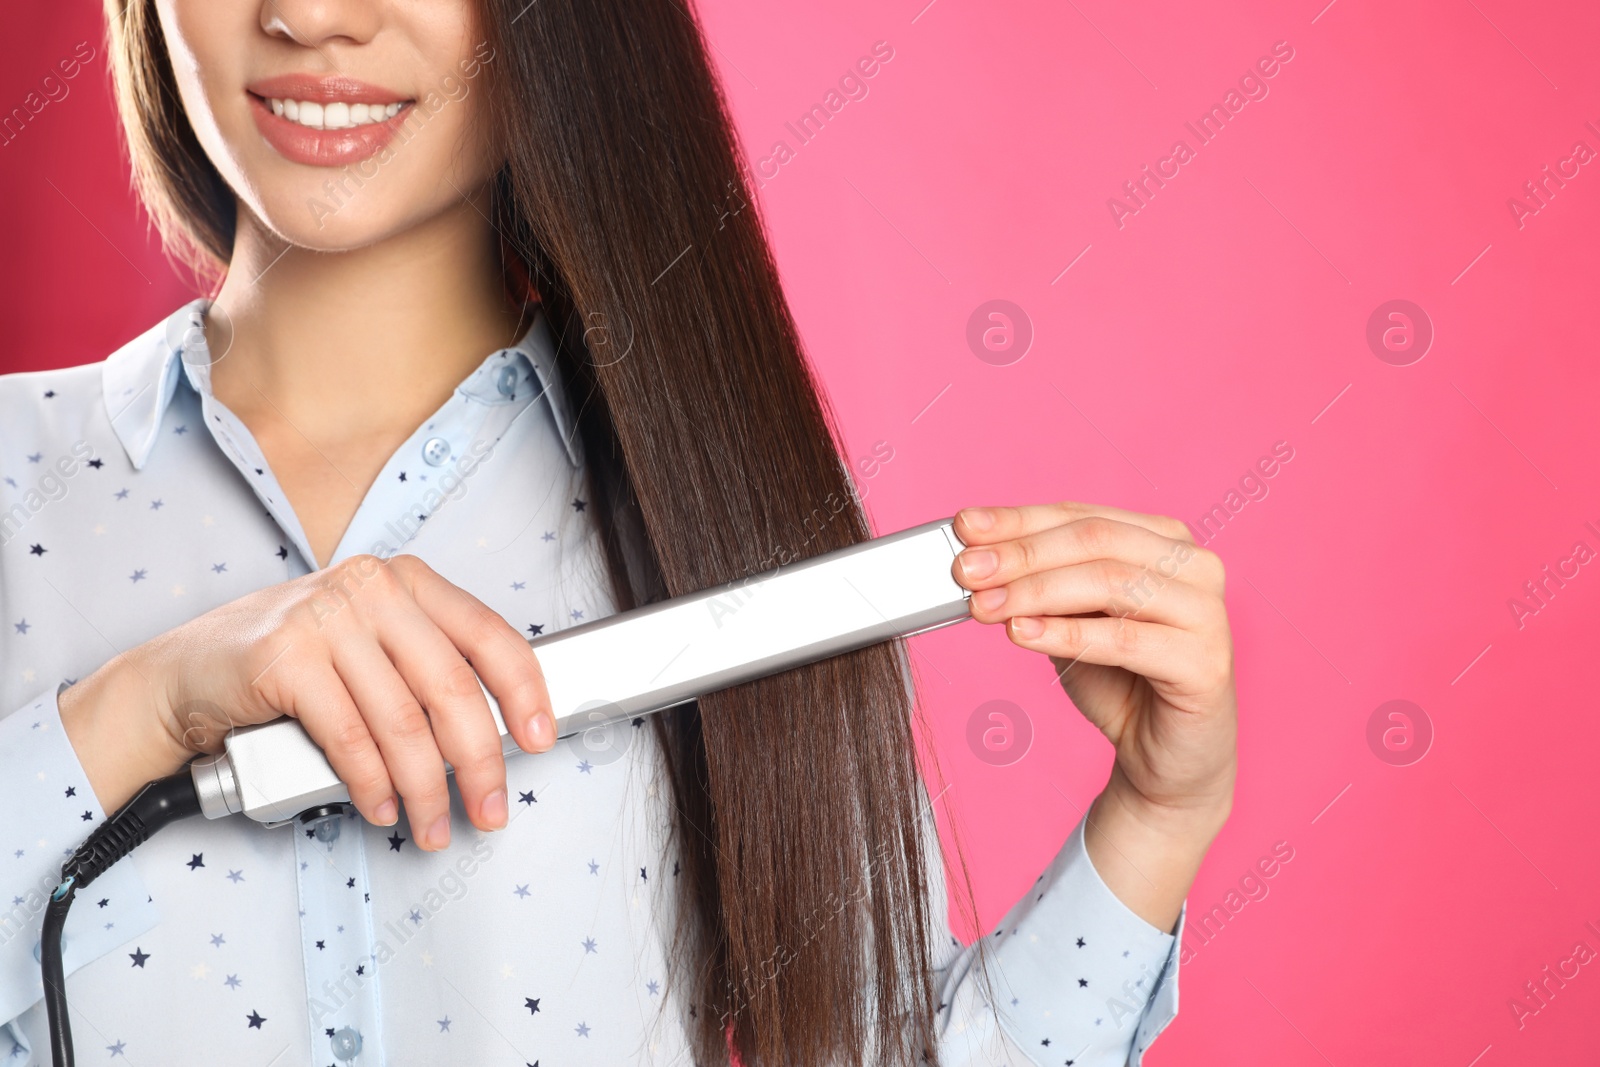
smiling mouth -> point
(332, 114)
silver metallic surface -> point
(214, 785)
(652, 658)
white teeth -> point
(337, 115)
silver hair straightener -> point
(607, 672)
(600, 675)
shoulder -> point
(39, 409)
(50, 414)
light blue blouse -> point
(132, 501)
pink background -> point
(1228, 314)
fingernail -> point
(439, 833)
(542, 729)
(978, 518)
(979, 562)
(494, 809)
(387, 813)
(989, 599)
(1027, 626)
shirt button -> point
(346, 1043)
(436, 451)
(508, 381)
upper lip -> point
(323, 90)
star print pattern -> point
(521, 937)
(1068, 980)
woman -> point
(499, 347)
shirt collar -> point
(138, 380)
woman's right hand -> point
(378, 659)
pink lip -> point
(324, 148)
(322, 90)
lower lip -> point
(325, 148)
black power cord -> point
(163, 801)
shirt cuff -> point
(47, 809)
(1078, 974)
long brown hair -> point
(802, 911)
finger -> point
(443, 681)
(1160, 653)
(324, 707)
(1095, 537)
(497, 652)
(395, 718)
(1108, 586)
(447, 687)
(987, 525)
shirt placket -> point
(337, 941)
(337, 933)
(239, 446)
(434, 466)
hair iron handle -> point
(614, 669)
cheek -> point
(461, 66)
(207, 39)
(455, 139)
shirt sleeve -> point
(47, 808)
(1069, 976)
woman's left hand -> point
(1130, 612)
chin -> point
(352, 228)
(329, 213)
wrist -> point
(1148, 853)
(1192, 820)
(115, 722)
